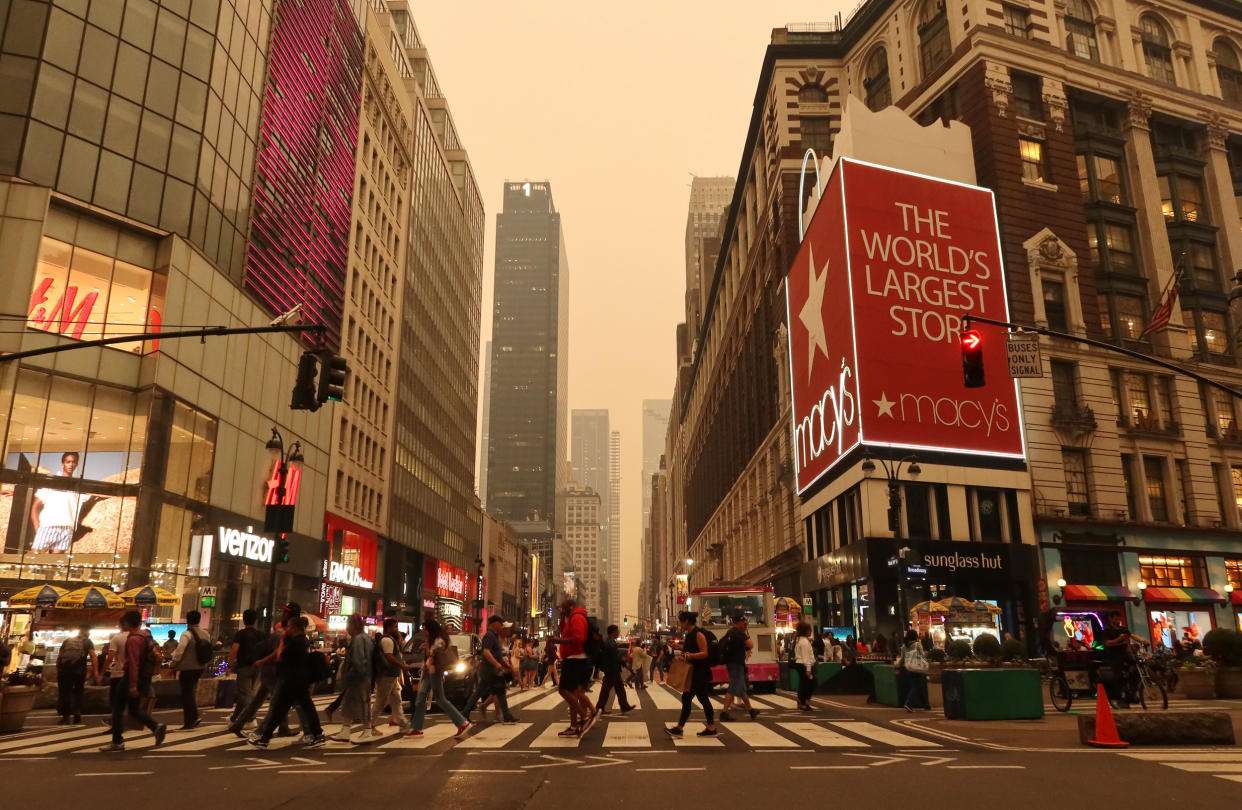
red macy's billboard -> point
(890, 264)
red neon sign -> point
(293, 478)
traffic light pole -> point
(204, 332)
(271, 571)
(967, 320)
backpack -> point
(202, 648)
(594, 644)
(147, 661)
(317, 667)
(914, 660)
(72, 655)
(379, 661)
(714, 656)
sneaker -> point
(590, 721)
(305, 739)
(160, 731)
(418, 732)
(707, 732)
(237, 731)
(64, 721)
(256, 740)
(754, 713)
(628, 709)
(368, 736)
(725, 717)
(461, 730)
(510, 720)
(341, 736)
(572, 731)
(674, 731)
(112, 748)
(317, 741)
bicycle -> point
(1144, 680)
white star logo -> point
(886, 407)
(812, 314)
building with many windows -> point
(583, 538)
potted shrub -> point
(1013, 652)
(987, 647)
(1197, 678)
(20, 691)
(958, 650)
(1224, 646)
(935, 664)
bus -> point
(716, 607)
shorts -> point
(737, 679)
(52, 539)
(530, 664)
(575, 673)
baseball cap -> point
(496, 618)
(292, 608)
(508, 624)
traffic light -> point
(332, 378)
(280, 553)
(304, 388)
(972, 358)
(626, 621)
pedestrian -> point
(817, 645)
(292, 687)
(436, 662)
(266, 667)
(804, 664)
(610, 665)
(170, 645)
(640, 662)
(356, 676)
(389, 669)
(242, 655)
(735, 648)
(549, 663)
(74, 662)
(657, 661)
(492, 670)
(130, 663)
(192, 654)
(912, 674)
(576, 667)
(530, 663)
(695, 650)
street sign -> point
(1022, 351)
(207, 590)
(916, 570)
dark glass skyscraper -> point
(527, 424)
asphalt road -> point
(842, 753)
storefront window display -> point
(1233, 578)
(1187, 626)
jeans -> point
(247, 679)
(188, 678)
(612, 680)
(388, 693)
(434, 684)
(287, 695)
(806, 683)
(267, 685)
(912, 689)
(482, 690)
(655, 664)
(701, 688)
(118, 693)
(71, 683)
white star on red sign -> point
(812, 314)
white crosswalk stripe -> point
(883, 735)
(496, 736)
(626, 735)
(431, 735)
(1225, 765)
(818, 735)
(552, 700)
(757, 735)
(550, 738)
(663, 697)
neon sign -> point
(247, 544)
(293, 479)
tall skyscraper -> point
(709, 199)
(612, 571)
(655, 426)
(527, 422)
(487, 415)
(583, 507)
(588, 456)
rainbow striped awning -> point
(1236, 596)
(1181, 595)
(1096, 593)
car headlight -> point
(461, 667)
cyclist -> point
(1117, 655)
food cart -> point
(716, 607)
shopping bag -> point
(680, 672)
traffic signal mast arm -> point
(204, 332)
(967, 320)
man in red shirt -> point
(576, 668)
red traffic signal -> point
(972, 358)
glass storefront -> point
(1183, 624)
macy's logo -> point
(950, 412)
(830, 415)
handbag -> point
(680, 673)
(914, 660)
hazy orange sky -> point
(617, 106)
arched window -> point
(935, 44)
(1080, 30)
(1228, 70)
(1156, 51)
(879, 92)
(812, 94)
(815, 126)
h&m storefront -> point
(863, 588)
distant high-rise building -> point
(655, 426)
(581, 522)
(709, 198)
(483, 434)
(589, 445)
(527, 409)
(612, 571)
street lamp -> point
(892, 472)
(283, 514)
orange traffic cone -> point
(1105, 728)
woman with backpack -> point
(437, 658)
(356, 675)
(912, 668)
(804, 664)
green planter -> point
(826, 671)
(992, 694)
(885, 684)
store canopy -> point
(150, 595)
(316, 624)
(1182, 595)
(38, 596)
(957, 604)
(786, 604)
(90, 598)
(929, 607)
(1096, 593)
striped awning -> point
(1096, 593)
(1181, 595)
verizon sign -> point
(890, 264)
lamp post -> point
(279, 521)
(892, 472)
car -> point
(460, 681)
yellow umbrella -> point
(150, 595)
(38, 596)
(989, 607)
(785, 604)
(929, 607)
(90, 598)
(957, 603)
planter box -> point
(15, 705)
(1229, 682)
(886, 690)
(992, 694)
(1197, 683)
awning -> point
(1236, 596)
(1096, 593)
(1181, 595)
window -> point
(935, 44)
(1112, 247)
(817, 133)
(988, 511)
(1210, 330)
(1076, 495)
(1090, 566)
(1131, 316)
(1181, 198)
(1064, 383)
(1034, 165)
(1228, 70)
(1156, 51)
(1233, 573)
(1157, 497)
(1221, 411)
(879, 93)
(1202, 260)
(1026, 100)
(812, 94)
(1099, 177)
(1182, 470)
(1235, 473)
(918, 510)
(1017, 22)
(1173, 572)
(1136, 396)
(1127, 476)
(1080, 30)
(1054, 305)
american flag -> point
(1160, 318)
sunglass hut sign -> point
(891, 263)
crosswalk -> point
(541, 716)
(1222, 764)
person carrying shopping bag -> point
(437, 659)
(912, 669)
